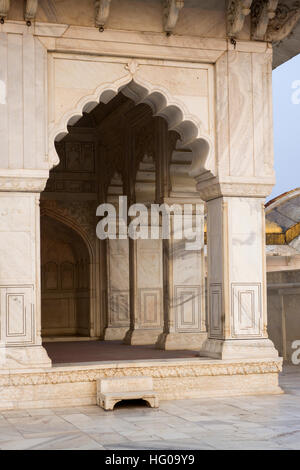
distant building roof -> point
(283, 218)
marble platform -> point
(76, 384)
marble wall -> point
(23, 117)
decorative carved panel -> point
(150, 303)
(215, 310)
(246, 307)
(188, 308)
(16, 303)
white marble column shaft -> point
(237, 280)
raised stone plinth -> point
(173, 379)
(111, 391)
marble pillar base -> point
(239, 349)
(33, 357)
(115, 333)
(140, 337)
(181, 341)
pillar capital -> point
(214, 188)
(31, 181)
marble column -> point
(146, 292)
(118, 301)
(237, 304)
(20, 293)
(184, 290)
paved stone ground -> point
(256, 422)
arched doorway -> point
(65, 266)
(118, 148)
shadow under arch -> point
(189, 127)
(85, 271)
(71, 223)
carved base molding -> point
(239, 349)
(173, 379)
(142, 336)
(29, 357)
(115, 333)
(181, 341)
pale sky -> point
(286, 108)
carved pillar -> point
(20, 292)
(24, 170)
(146, 292)
(237, 280)
(184, 290)
(235, 195)
(118, 289)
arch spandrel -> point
(190, 127)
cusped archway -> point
(176, 113)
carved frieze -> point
(157, 372)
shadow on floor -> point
(97, 351)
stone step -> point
(112, 390)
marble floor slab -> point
(247, 422)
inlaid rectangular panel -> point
(188, 308)
(247, 309)
(215, 310)
(17, 313)
(150, 308)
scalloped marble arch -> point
(189, 127)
